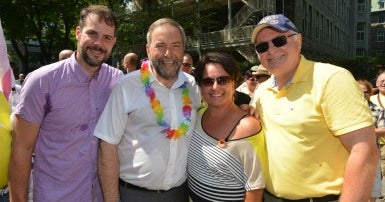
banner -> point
(6, 73)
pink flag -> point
(5, 68)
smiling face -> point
(280, 60)
(380, 83)
(217, 95)
(165, 51)
(95, 42)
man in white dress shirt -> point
(147, 123)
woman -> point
(223, 164)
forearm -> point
(24, 137)
(108, 169)
(359, 175)
(19, 172)
(254, 195)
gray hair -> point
(165, 21)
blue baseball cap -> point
(278, 22)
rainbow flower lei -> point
(158, 109)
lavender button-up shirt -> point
(66, 103)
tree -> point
(45, 25)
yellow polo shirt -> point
(305, 158)
(5, 139)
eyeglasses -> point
(278, 41)
(255, 78)
(222, 81)
(187, 64)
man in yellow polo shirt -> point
(320, 138)
(5, 146)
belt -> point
(131, 186)
(4, 191)
(326, 198)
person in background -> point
(145, 131)
(320, 138)
(130, 62)
(378, 119)
(379, 100)
(5, 146)
(223, 164)
(21, 79)
(187, 64)
(253, 77)
(59, 106)
(64, 54)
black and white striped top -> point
(222, 174)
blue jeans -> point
(4, 197)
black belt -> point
(326, 198)
(131, 186)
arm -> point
(108, 170)
(254, 195)
(361, 165)
(23, 142)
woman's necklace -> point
(158, 109)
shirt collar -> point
(302, 73)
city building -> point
(377, 23)
(331, 29)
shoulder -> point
(45, 73)
(248, 126)
(112, 70)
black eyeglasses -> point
(278, 41)
(222, 81)
(187, 64)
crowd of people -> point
(169, 130)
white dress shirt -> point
(146, 157)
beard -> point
(94, 62)
(166, 72)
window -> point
(360, 52)
(361, 6)
(381, 4)
(360, 34)
(381, 19)
(381, 36)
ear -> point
(299, 41)
(148, 50)
(78, 32)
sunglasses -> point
(278, 41)
(222, 81)
(187, 64)
(255, 78)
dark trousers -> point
(177, 194)
(267, 197)
(4, 197)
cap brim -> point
(256, 31)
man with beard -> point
(147, 123)
(59, 106)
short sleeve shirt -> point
(302, 123)
(66, 103)
(146, 157)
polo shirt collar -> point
(301, 74)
